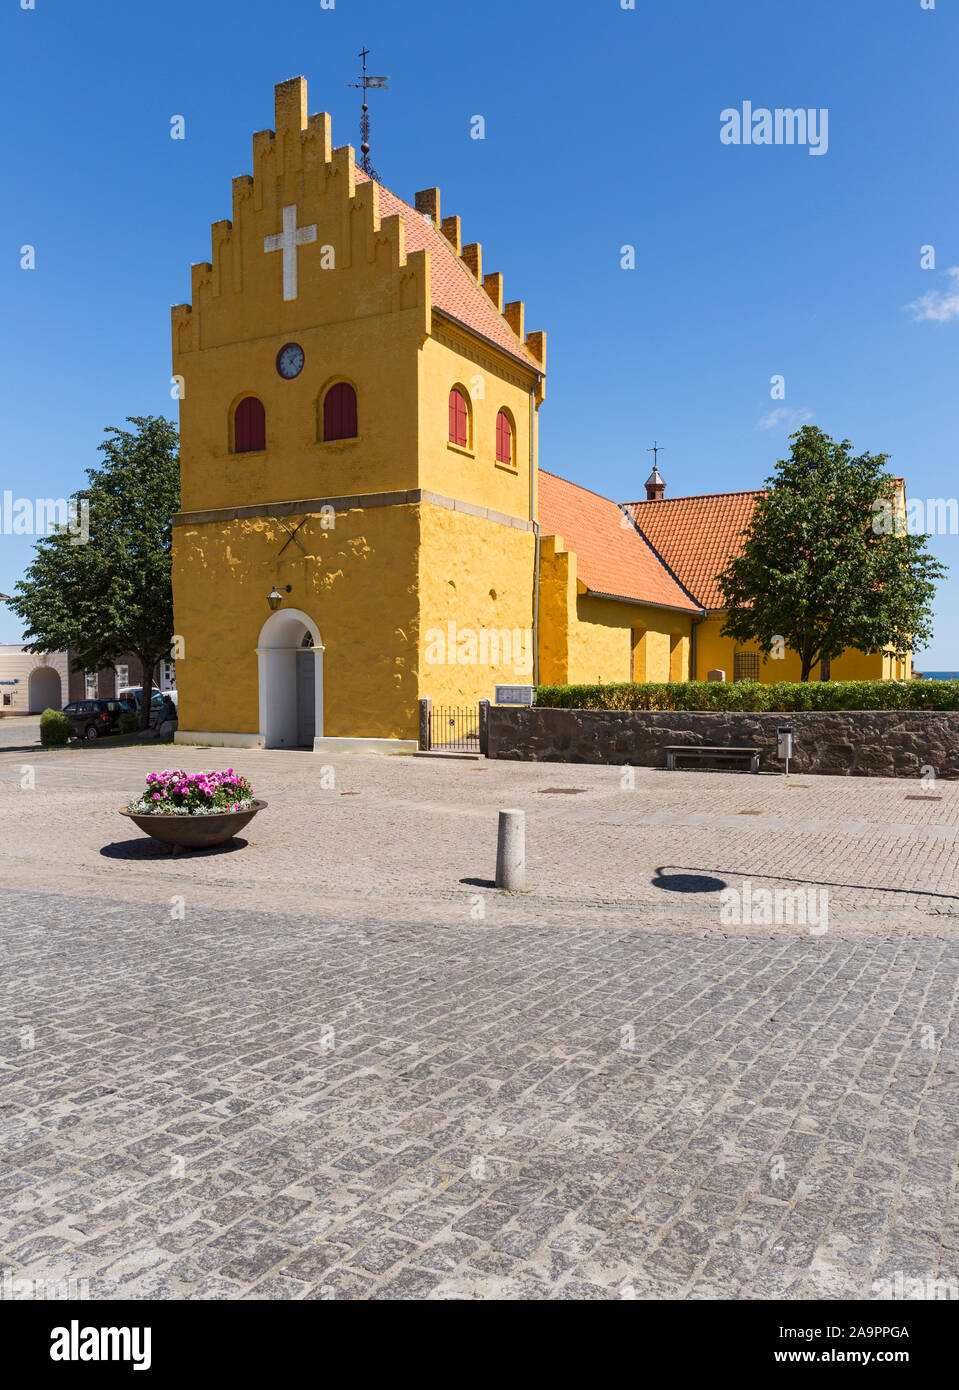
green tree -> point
(111, 593)
(826, 563)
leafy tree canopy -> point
(821, 568)
(111, 593)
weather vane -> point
(378, 84)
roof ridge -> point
(695, 497)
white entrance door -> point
(290, 657)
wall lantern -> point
(275, 598)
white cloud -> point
(784, 416)
(938, 306)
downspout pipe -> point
(536, 534)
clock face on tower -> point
(289, 361)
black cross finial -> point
(656, 450)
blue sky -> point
(602, 130)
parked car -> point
(134, 693)
(95, 718)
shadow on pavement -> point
(120, 741)
(687, 882)
(713, 883)
(148, 848)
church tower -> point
(358, 421)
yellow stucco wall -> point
(475, 588)
(491, 383)
(381, 584)
(296, 463)
(604, 635)
(357, 581)
(585, 639)
(715, 652)
(557, 591)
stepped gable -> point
(454, 286)
(297, 164)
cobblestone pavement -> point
(390, 834)
(324, 1066)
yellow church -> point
(364, 521)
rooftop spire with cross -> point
(655, 485)
(377, 84)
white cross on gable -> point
(287, 241)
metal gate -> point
(452, 728)
(455, 729)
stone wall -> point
(859, 743)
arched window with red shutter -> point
(459, 418)
(339, 412)
(249, 426)
(504, 439)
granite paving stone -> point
(326, 1079)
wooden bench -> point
(689, 750)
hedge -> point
(752, 695)
(55, 729)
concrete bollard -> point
(511, 851)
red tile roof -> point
(454, 288)
(611, 557)
(696, 535)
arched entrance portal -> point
(290, 657)
(44, 690)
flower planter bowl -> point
(195, 832)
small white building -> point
(31, 682)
